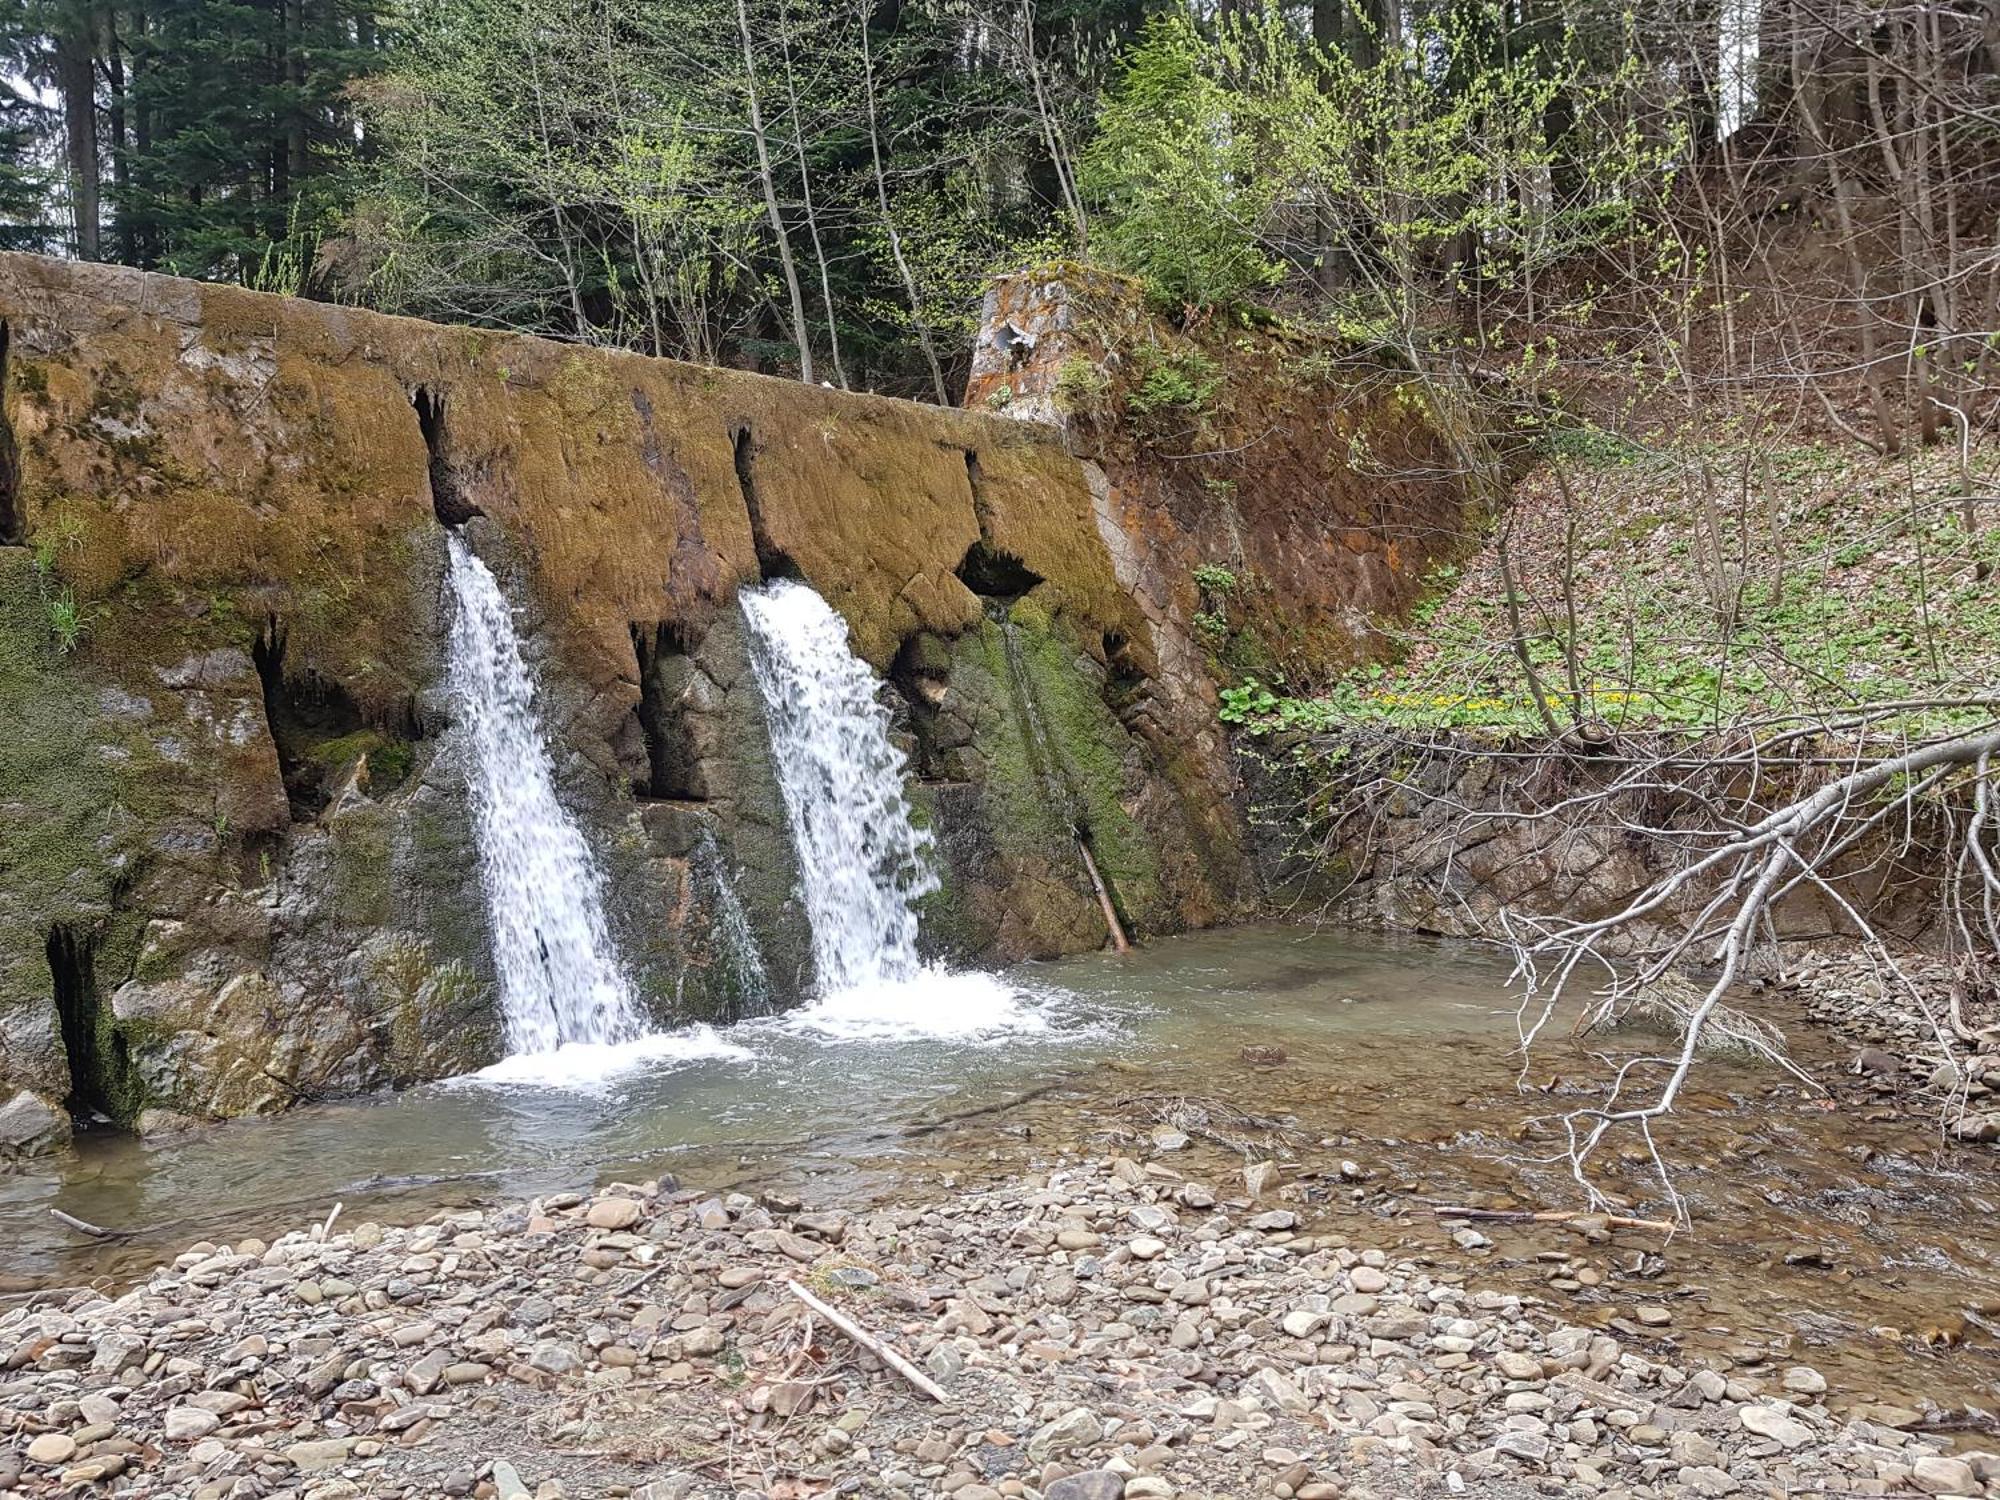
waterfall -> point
(560, 980)
(863, 863)
(732, 925)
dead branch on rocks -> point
(1717, 834)
(872, 1344)
(1716, 912)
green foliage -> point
(389, 758)
(59, 533)
(1588, 444)
(1081, 385)
(1181, 379)
(67, 623)
(1172, 173)
(1222, 142)
(1213, 578)
(1843, 588)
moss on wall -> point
(208, 472)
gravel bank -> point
(1110, 1331)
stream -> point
(1826, 1230)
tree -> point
(193, 135)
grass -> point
(1802, 580)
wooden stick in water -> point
(95, 1231)
(1553, 1216)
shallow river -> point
(1827, 1229)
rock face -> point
(236, 863)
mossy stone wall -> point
(234, 509)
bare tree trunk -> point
(76, 82)
(812, 218)
(1052, 133)
(919, 324)
(800, 332)
(1850, 247)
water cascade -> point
(741, 955)
(560, 980)
(863, 861)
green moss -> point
(389, 759)
(75, 784)
(364, 891)
(428, 1006)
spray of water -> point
(560, 979)
(863, 862)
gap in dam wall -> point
(240, 863)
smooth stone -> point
(1769, 1422)
(1076, 1428)
(317, 1457)
(52, 1448)
(184, 1424)
(1938, 1474)
(613, 1213)
(1092, 1484)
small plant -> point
(66, 621)
(1248, 703)
(1178, 380)
(1211, 625)
(1080, 385)
(1213, 578)
(61, 533)
(1001, 399)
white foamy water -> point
(560, 979)
(863, 862)
(932, 1004)
(589, 1065)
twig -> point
(33, 1295)
(873, 1345)
(645, 1276)
(1553, 1216)
(327, 1228)
(95, 1231)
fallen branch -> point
(645, 1276)
(1554, 1216)
(873, 1345)
(95, 1231)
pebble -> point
(1770, 1422)
(1219, 1350)
(184, 1424)
(52, 1448)
(1092, 1484)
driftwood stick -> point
(326, 1229)
(1552, 1216)
(95, 1231)
(872, 1344)
(643, 1277)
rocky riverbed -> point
(1112, 1328)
